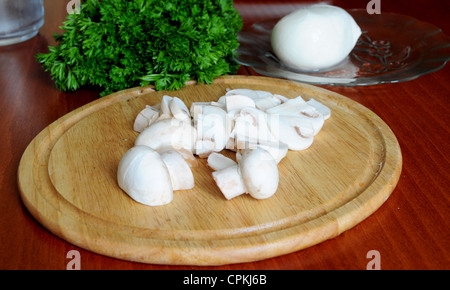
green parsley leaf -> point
(118, 44)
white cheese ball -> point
(315, 37)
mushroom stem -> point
(256, 174)
(229, 181)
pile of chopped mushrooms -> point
(260, 127)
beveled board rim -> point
(129, 245)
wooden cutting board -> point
(67, 180)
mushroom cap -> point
(259, 172)
(143, 175)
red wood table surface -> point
(410, 230)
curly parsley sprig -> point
(117, 44)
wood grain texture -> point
(67, 179)
(410, 230)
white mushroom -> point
(145, 118)
(324, 110)
(220, 105)
(267, 103)
(259, 126)
(256, 174)
(252, 130)
(179, 170)
(218, 161)
(143, 175)
(229, 128)
(278, 150)
(229, 181)
(187, 155)
(296, 135)
(304, 112)
(259, 172)
(253, 94)
(179, 110)
(281, 98)
(196, 108)
(168, 133)
(164, 112)
(286, 105)
(245, 131)
(237, 102)
(263, 100)
(210, 124)
(170, 107)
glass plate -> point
(392, 48)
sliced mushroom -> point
(263, 100)
(302, 111)
(143, 175)
(253, 94)
(219, 161)
(179, 170)
(145, 118)
(267, 103)
(179, 110)
(196, 109)
(210, 124)
(278, 150)
(164, 112)
(220, 105)
(324, 110)
(259, 126)
(229, 128)
(256, 174)
(229, 181)
(256, 133)
(281, 98)
(287, 106)
(187, 155)
(296, 135)
(245, 131)
(168, 133)
(237, 102)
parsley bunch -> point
(117, 44)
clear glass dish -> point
(392, 48)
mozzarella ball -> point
(315, 37)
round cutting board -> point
(67, 180)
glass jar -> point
(20, 20)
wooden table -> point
(411, 230)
